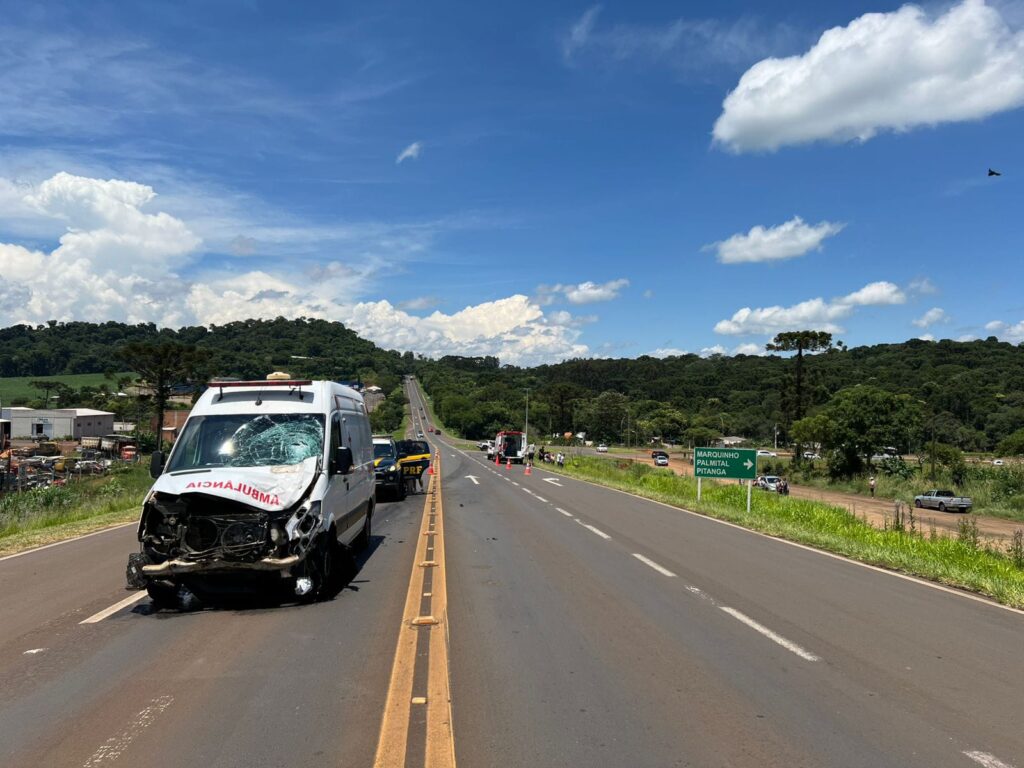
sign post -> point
(725, 464)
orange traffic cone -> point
(529, 470)
(430, 469)
(508, 463)
(497, 459)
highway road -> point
(584, 627)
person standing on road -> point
(871, 484)
(531, 450)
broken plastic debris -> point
(303, 585)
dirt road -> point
(877, 511)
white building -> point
(56, 423)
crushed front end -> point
(195, 534)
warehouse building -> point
(57, 423)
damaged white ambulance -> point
(269, 484)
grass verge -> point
(957, 562)
(45, 515)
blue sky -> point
(524, 180)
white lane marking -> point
(592, 529)
(806, 547)
(789, 645)
(32, 652)
(659, 568)
(471, 477)
(66, 541)
(987, 760)
(515, 483)
(567, 514)
(113, 747)
(115, 608)
(552, 481)
(541, 499)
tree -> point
(1012, 445)
(799, 342)
(161, 366)
(857, 422)
(47, 386)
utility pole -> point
(526, 429)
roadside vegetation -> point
(47, 514)
(959, 561)
(996, 491)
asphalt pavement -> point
(586, 627)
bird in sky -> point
(994, 173)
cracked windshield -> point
(592, 384)
(247, 441)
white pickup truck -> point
(943, 501)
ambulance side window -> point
(335, 439)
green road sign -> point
(734, 463)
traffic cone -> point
(529, 470)
(497, 458)
(508, 463)
(430, 469)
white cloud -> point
(931, 317)
(587, 292)
(926, 337)
(717, 349)
(1005, 331)
(579, 34)
(786, 241)
(967, 337)
(883, 71)
(922, 286)
(117, 261)
(668, 352)
(409, 153)
(648, 294)
(750, 349)
(815, 314)
(683, 44)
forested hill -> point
(970, 393)
(245, 349)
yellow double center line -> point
(417, 726)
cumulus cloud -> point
(119, 261)
(883, 71)
(409, 153)
(815, 314)
(1013, 333)
(717, 349)
(786, 241)
(582, 293)
(931, 317)
(926, 337)
(750, 349)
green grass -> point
(19, 387)
(110, 498)
(953, 561)
(996, 491)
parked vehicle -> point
(509, 446)
(768, 483)
(943, 501)
(661, 460)
(413, 457)
(386, 469)
(486, 445)
(268, 479)
(998, 462)
(811, 455)
(763, 452)
(602, 448)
